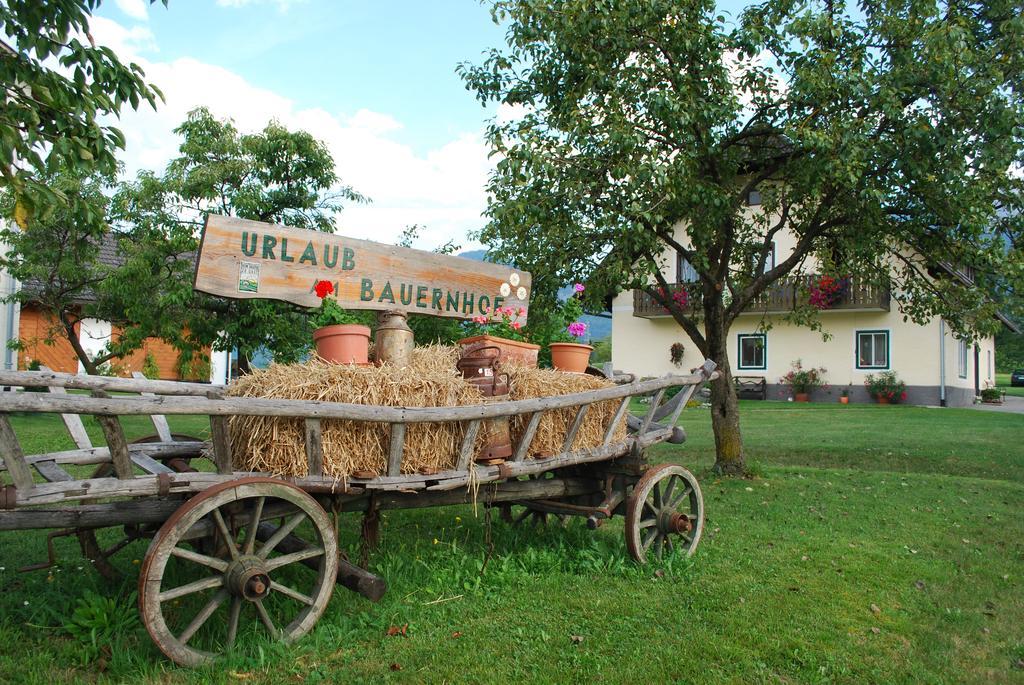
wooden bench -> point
(751, 387)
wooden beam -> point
(14, 458)
(163, 429)
(570, 435)
(221, 438)
(468, 445)
(314, 448)
(73, 422)
(527, 437)
(623, 408)
(395, 453)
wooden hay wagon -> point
(227, 544)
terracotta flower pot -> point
(571, 357)
(801, 397)
(343, 343)
(882, 399)
(522, 352)
(844, 400)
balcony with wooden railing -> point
(779, 298)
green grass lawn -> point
(877, 544)
(1003, 383)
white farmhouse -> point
(867, 334)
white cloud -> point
(441, 189)
(127, 43)
(282, 5)
(136, 9)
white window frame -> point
(739, 351)
(962, 359)
(888, 349)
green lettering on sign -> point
(386, 294)
(284, 251)
(249, 249)
(269, 242)
(348, 258)
(309, 254)
(366, 290)
(421, 296)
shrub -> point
(149, 367)
(886, 384)
(991, 395)
(803, 380)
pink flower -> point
(578, 287)
(577, 329)
(522, 310)
(486, 310)
(516, 325)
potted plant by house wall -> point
(803, 381)
(568, 353)
(886, 387)
(502, 328)
(844, 396)
(339, 336)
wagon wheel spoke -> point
(289, 592)
(301, 555)
(204, 614)
(265, 618)
(280, 534)
(678, 500)
(229, 539)
(192, 588)
(211, 562)
(667, 495)
(650, 538)
(236, 610)
(657, 497)
(647, 523)
(254, 522)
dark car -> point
(1017, 378)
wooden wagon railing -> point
(172, 398)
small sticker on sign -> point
(248, 277)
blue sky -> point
(392, 57)
(376, 81)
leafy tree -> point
(57, 90)
(56, 256)
(880, 135)
(276, 176)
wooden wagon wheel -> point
(98, 555)
(664, 511)
(523, 514)
(240, 574)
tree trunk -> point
(725, 415)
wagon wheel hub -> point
(678, 523)
(247, 577)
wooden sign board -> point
(249, 259)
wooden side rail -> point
(71, 381)
(252, 406)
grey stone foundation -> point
(916, 394)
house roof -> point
(109, 254)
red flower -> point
(903, 395)
(324, 288)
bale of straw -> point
(527, 382)
(277, 445)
